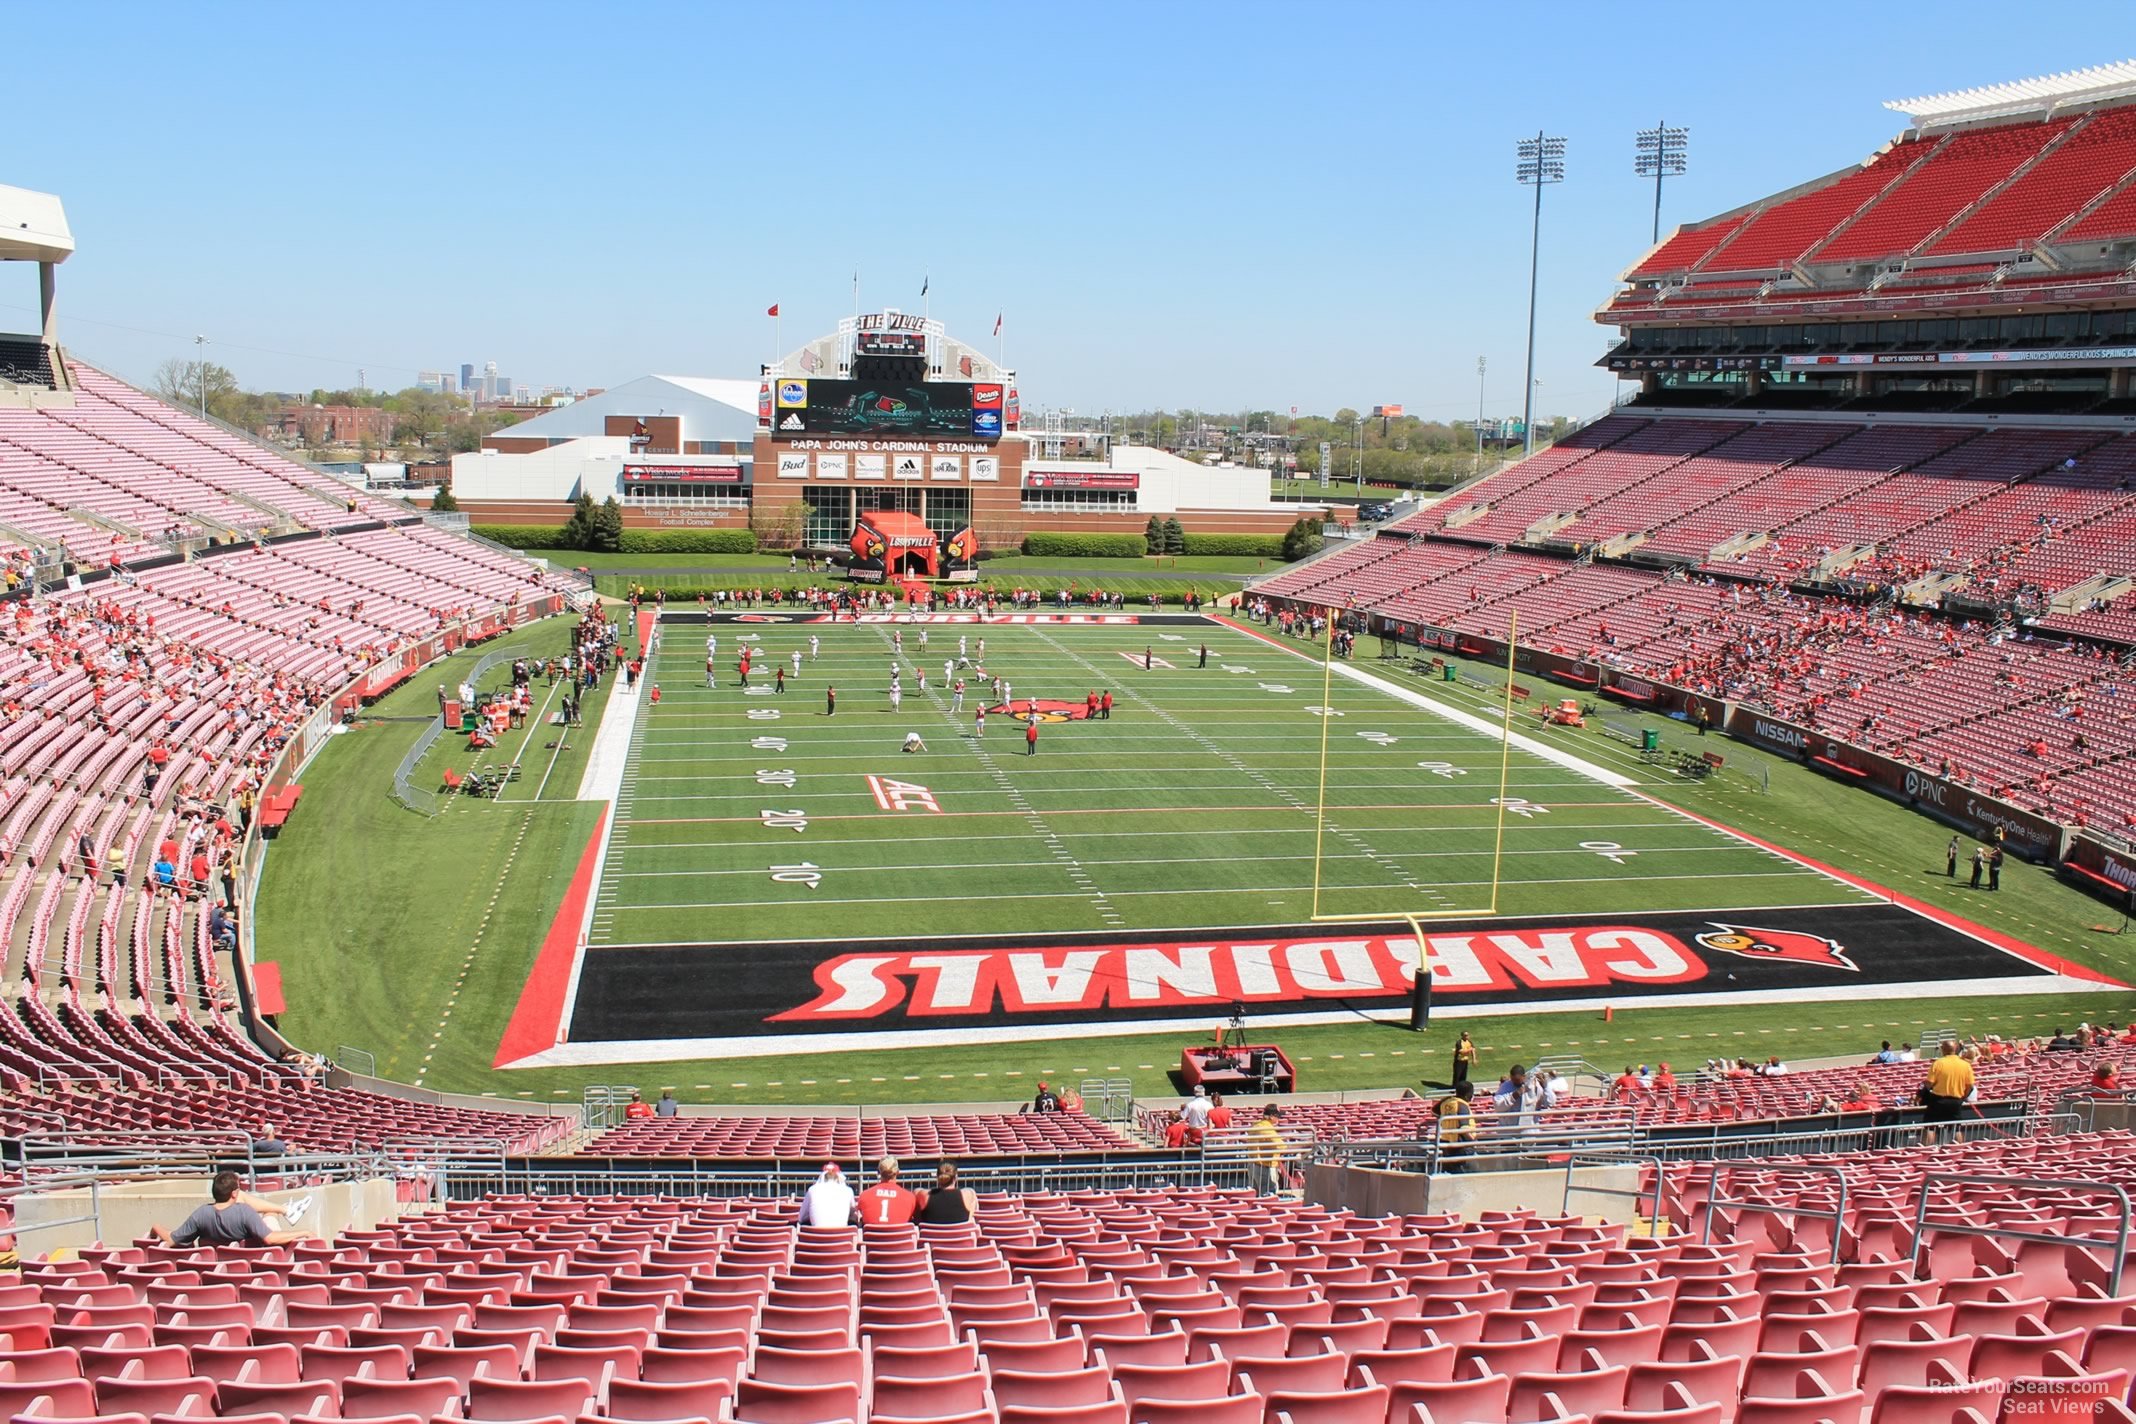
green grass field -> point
(1191, 806)
(411, 938)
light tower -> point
(1542, 162)
(1660, 152)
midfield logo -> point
(1041, 709)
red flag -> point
(997, 323)
(772, 310)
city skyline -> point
(1248, 215)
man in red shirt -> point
(1627, 1084)
(886, 1203)
(1219, 1115)
(638, 1107)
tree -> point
(1301, 539)
(1153, 535)
(578, 529)
(419, 415)
(179, 382)
(442, 502)
(607, 527)
(1175, 538)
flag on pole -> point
(772, 310)
(923, 285)
(997, 323)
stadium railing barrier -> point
(2117, 1248)
(463, 1179)
(427, 800)
(357, 1060)
(1649, 1194)
(1108, 1099)
(1716, 1203)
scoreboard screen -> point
(890, 343)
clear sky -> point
(1183, 205)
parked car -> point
(1375, 510)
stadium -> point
(540, 962)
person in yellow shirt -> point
(1457, 1127)
(1950, 1083)
(1264, 1151)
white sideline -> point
(668, 1050)
(611, 743)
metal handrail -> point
(1648, 1160)
(1837, 1216)
(422, 799)
(2119, 1246)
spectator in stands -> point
(638, 1107)
(1046, 1100)
(885, 1203)
(2106, 1078)
(221, 933)
(269, 1143)
(1907, 1054)
(1457, 1127)
(667, 1106)
(234, 1218)
(1264, 1146)
(1950, 1082)
(1522, 1096)
(829, 1201)
(1885, 1055)
(1196, 1108)
(2063, 1042)
(1219, 1115)
(1772, 1067)
(1664, 1080)
(1627, 1085)
(946, 1203)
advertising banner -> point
(870, 467)
(1082, 479)
(1972, 812)
(830, 467)
(635, 473)
(947, 468)
(2103, 869)
(908, 467)
(793, 466)
(986, 467)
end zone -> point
(667, 1002)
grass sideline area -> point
(411, 938)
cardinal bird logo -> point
(1791, 945)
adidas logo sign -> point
(792, 422)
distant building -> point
(432, 381)
(447, 385)
(331, 424)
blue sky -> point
(1194, 206)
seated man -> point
(234, 1218)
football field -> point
(757, 815)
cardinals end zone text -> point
(764, 990)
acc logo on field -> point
(793, 395)
(1791, 945)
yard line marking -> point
(1266, 783)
